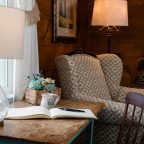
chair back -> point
(81, 77)
(137, 101)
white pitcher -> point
(49, 100)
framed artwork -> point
(64, 20)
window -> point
(6, 75)
(3, 2)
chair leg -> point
(135, 136)
(122, 125)
(142, 140)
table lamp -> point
(11, 44)
(110, 14)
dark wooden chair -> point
(136, 100)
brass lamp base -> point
(1, 123)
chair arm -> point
(114, 112)
(124, 90)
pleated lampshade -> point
(11, 32)
(110, 13)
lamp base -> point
(1, 123)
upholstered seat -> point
(84, 77)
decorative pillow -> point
(81, 77)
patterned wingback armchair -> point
(83, 77)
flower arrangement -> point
(49, 84)
(41, 83)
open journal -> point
(42, 112)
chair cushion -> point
(81, 77)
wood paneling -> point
(128, 43)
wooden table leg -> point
(89, 128)
(90, 132)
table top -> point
(54, 131)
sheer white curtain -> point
(26, 5)
(29, 64)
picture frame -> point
(64, 20)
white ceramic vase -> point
(49, 100)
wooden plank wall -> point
(128, 43)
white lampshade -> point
(110, 13)
(11, 32)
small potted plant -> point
(38, 86)
(41, 83)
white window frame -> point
(7, 75)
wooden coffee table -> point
(56, 131)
